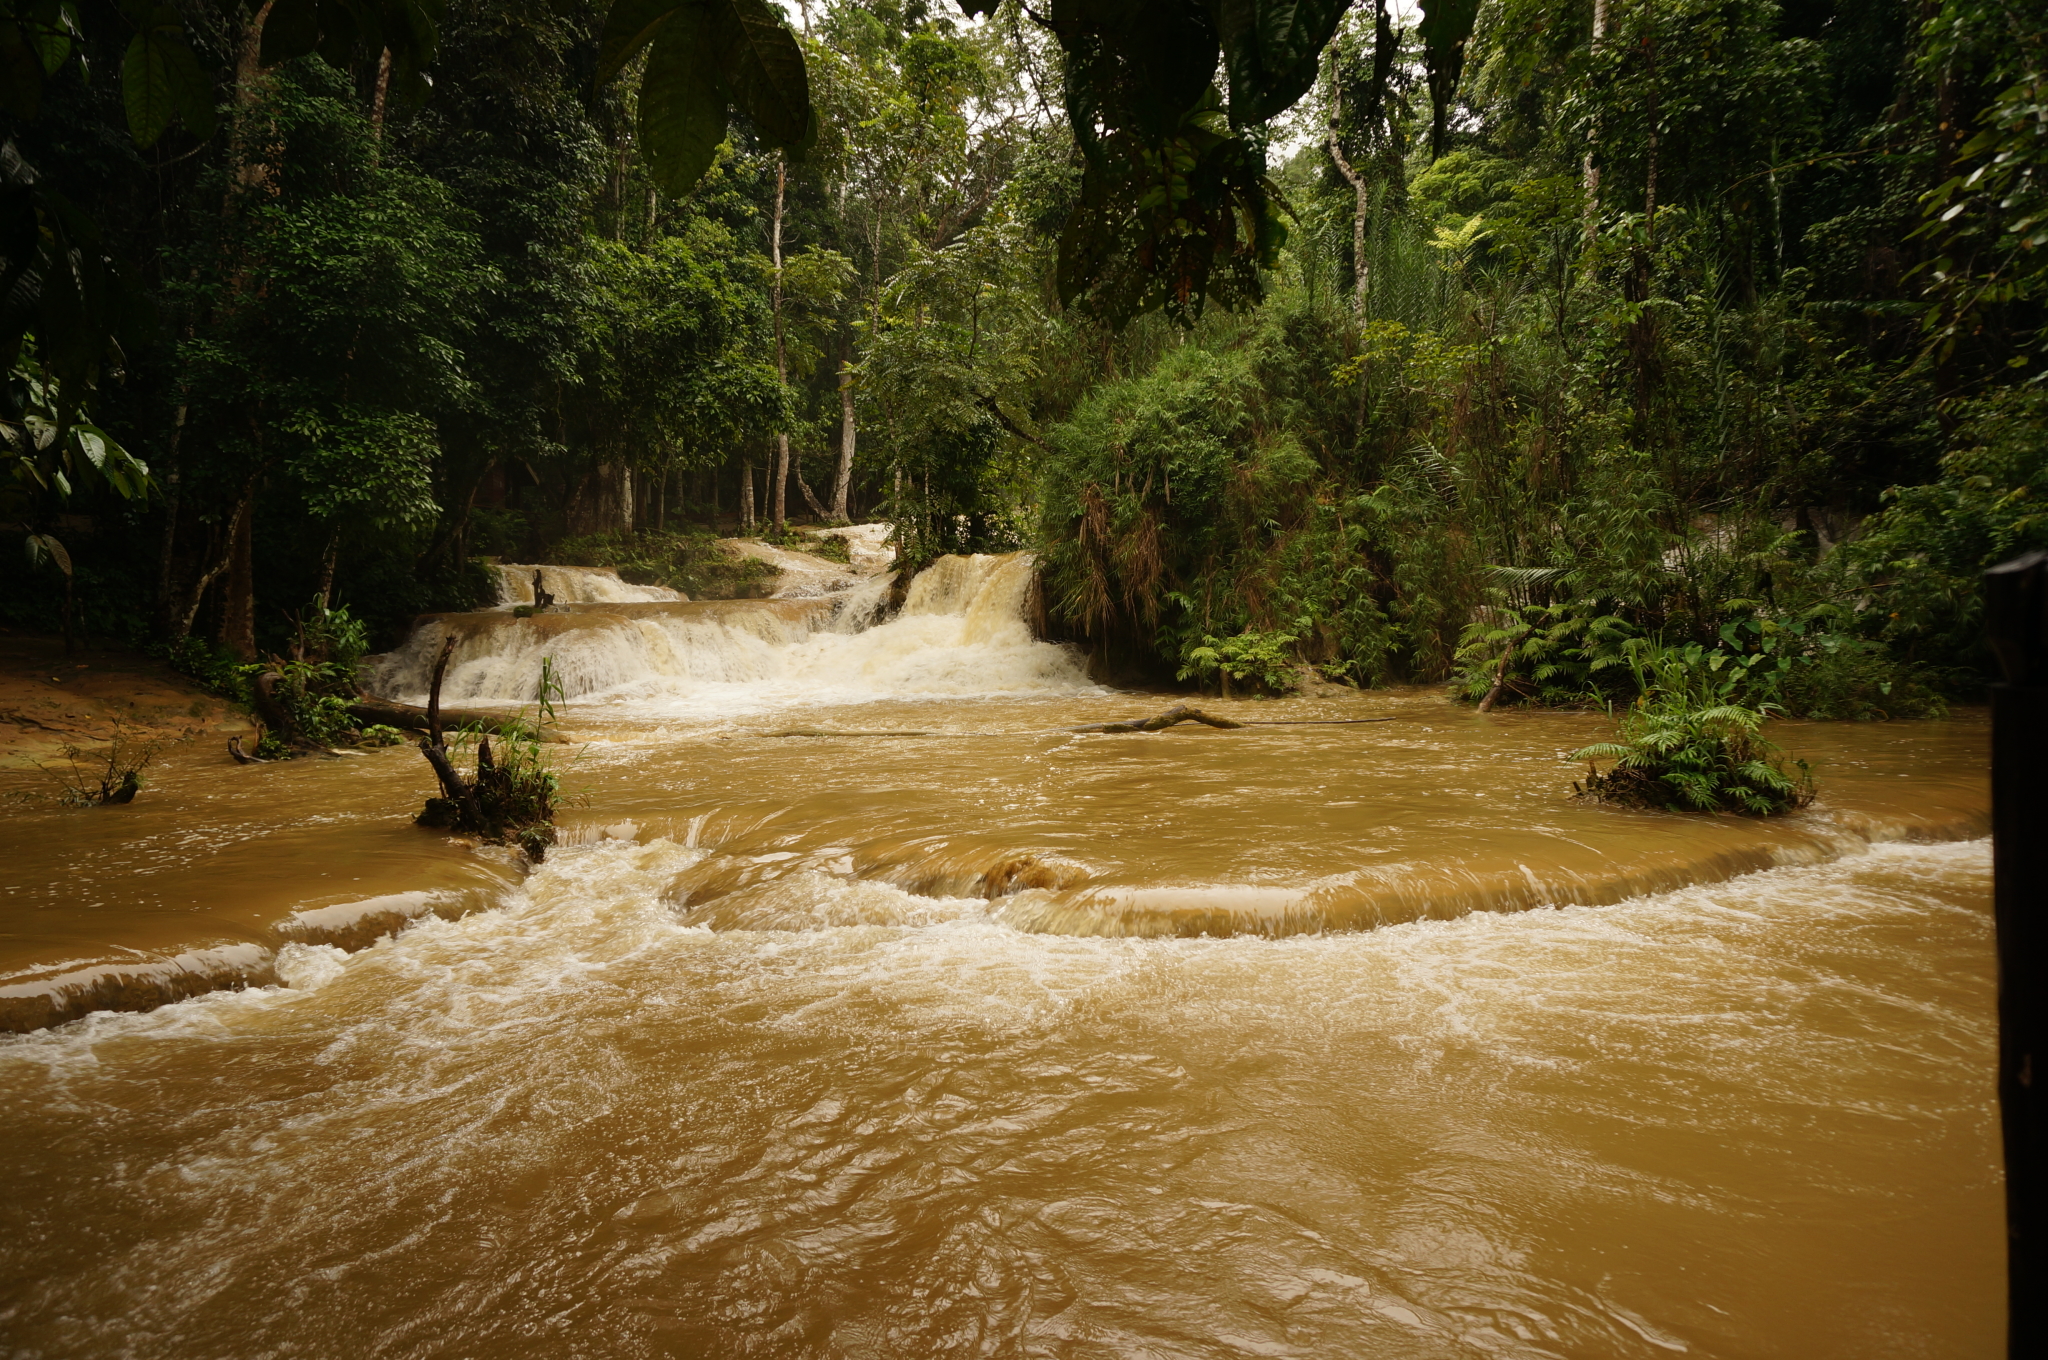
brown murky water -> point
(1002, 1040)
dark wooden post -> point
(2016, 620)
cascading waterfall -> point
(961, 632)
(574, 585)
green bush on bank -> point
(1574, 653)
(1262, 662)
(312, 689)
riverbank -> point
(50, 699)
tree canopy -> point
(1497, 349)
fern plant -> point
(1261, 659)
(1685, 748)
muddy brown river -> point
(867, 1011)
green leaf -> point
(53, 40)
(629, 26)
(1271, 49)
(682, 104)
(147, 90)
(191, 88)
(763, 67)
(41, 546)
(291, 30)
(21, 73)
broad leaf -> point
(146, 89)
(630, 26)
(763, 67)
(124, 472)
(682, 103)
(191, 88)
(291, 30)
(40, 546)
(53, 39)
(1271, 48)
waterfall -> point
(574, 585)
(961, 631)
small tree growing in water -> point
(511, 798)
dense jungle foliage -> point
(1523, 345)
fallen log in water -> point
(1181, 713)
(821, 732)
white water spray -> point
(961, 632)
(574, 585)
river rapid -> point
(866, 1011)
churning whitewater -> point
(868, 1010)
(961, 631)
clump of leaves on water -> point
(1683, 747)
(305, 700)
(831, 547)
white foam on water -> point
(303, 967)
(573, 585)
(961, 632)
(1434, 1140)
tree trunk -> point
(842, 476)
(1358, 190)
(377, 102)
(1591, 171)
(603, 503)
(1650, 174)
(781, 356)
(327, 564)
(183, 617)
(746, 496)
(238, 591)
(250, 164)
(166, 593)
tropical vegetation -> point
(1485, 342)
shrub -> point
(832, 547)
(114, 776)
(1685, 749)
(1261, 659)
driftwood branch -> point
(434, 691)
(1500, 680)
(1181, 713)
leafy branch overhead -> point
(347, 32)
(705, 60)
(1175, 205)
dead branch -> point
(1179, 713)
